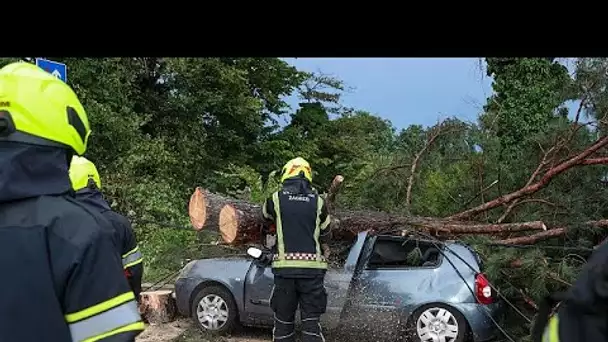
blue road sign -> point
(56, 69)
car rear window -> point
(398, 252)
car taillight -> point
(483, 291)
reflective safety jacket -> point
(302, 222)
(583, 311)
(66, 280)
(126, 244)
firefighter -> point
(87, 184)
(302, 231)
(63, 279)
(583, 312)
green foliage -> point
(255, 189)
(527, 93)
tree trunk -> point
(240, 223)
(158, 306)
(353, 222)
(204, 209)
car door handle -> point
(260, 301)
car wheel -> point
(438, 322)
(214, 310)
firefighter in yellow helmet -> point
(582, 314)
(66, 280)
(299, 264)
(87, 184)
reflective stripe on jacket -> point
(108, 318)
(552, 330)
(132, 258)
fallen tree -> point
(240, 222)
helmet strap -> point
(91, 184)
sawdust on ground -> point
(182, 330)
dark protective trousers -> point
(310, 295)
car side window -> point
(397, 252)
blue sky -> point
(408, 90)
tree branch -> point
(517, 203)
(434, 134)
(494, 228)
(555, 232)
(595, 161)
(534, 187)
(480, 192)
(532, 178)
(580, 109)
(334, 188)
(534, 238)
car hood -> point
(222, 269)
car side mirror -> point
(253, 252)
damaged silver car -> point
(440, 294)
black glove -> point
(266, 257)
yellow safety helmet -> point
(82, 172)
(296, 167)
(38, 108)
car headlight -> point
(187, 268)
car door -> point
(260, 281)
(258, 289)
(382, 296)
(336, 284)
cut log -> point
(157, 307)
(204, 208)
(197, 210)
(241, 222)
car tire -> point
(442, 316)
(220, 321)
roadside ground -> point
(182, 330)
